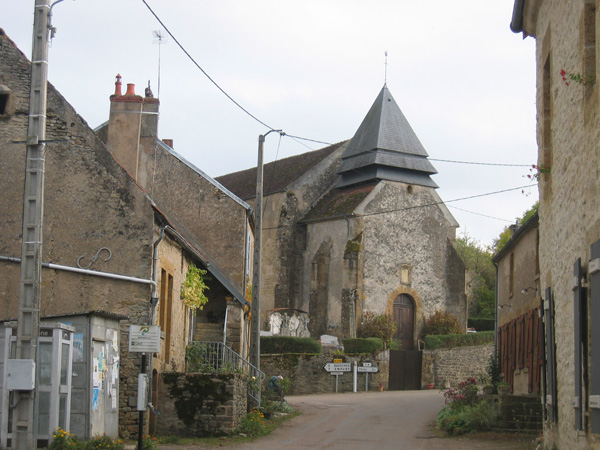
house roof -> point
(385, 147)
(531, 223)
(339, 203)
(277, 175)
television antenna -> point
(159, 38)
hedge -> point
(289, 344)
(362, 345)
(482, 324)
(433, 342)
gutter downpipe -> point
(496, 312)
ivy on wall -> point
(194, 288)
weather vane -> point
(385, 66)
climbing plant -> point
(194, 287)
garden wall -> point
(308, 376)
(201, 404)
(449, 366)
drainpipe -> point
(496, 312)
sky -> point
(313, 68)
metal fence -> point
(217, 357)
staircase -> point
(208, 332)
(521, 413)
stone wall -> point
(449, 366)
(201, 404)
(308, 376)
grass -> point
(270, 426)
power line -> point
(480, 163)
(426, 205)
(479, 214)
(202, 70)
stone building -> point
(519, 322)
(358, 227)
(115, 238)
(568, 129)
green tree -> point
(478, 261)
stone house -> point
(568, 127)
(519, 322)
(357, 227)
(116, 239)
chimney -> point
(168, 142)
(132, 129)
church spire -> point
(385, 147)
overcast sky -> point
(313, 68)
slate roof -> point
(277, 175)
(339, 203)
(385, 147)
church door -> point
(404, 316)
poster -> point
(95, 399)
(78, 355)
(113, 394)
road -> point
(395, 420)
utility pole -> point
(24, 436)
(255, 320)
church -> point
(356, 227)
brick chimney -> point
(132, 129)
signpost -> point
(367, 368)
(337, 369)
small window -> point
(4, 95)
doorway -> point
(404, 316)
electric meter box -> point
(20, 375)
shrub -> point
(462, 419)
(289, 344)
(441, 323)
(481, 324)
(377, 326)
(458, 340)
(253, 424)
(464, 394)
(63, 440)
(362, 345)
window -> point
(589, 46)
(511, 274)
(165, 310)
(4, 96)
(546, 147)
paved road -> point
(395, 420)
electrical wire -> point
(426, 205)
(202, 70)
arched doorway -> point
(404, 316)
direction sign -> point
(336, 373)
(368, 369)
(338, 367)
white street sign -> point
(368, 369)
(336, 373)
(144, 338)
(338, 367)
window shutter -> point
(550, 357)
(530, 346)
(539, 350)
(578, 329)
(595, 325)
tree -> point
(478, 262)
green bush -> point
(289, 344)
(481, 324)
(253, 424)
(379, 326)
(459, 419)
(362, 345)
(65, 440)
(441, 323)
(433, 342)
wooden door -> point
(404, 316)
(405, 370)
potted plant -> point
(503, 388)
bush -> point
(253, 424)
(461, 419)
(65, 440)
(441, 323)
(458, 340)
(481, 324)
(362, 345)
(377, 326)
(289, 344)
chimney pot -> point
(118, 85)
(169, 142)
(130, 89)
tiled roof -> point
(385, 147)
(339, 202)
(277, 175)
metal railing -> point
(217, 357)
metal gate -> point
(405, 370)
